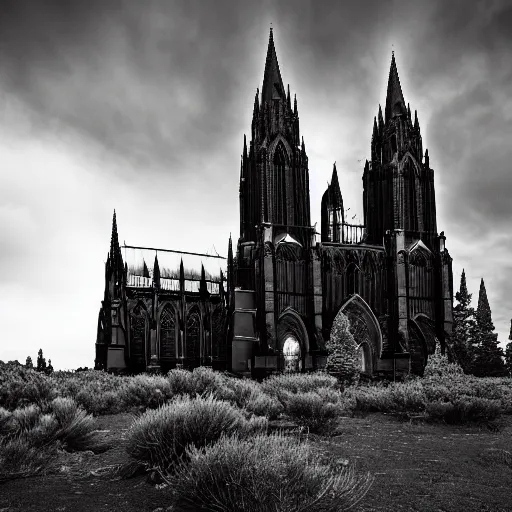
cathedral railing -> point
(352, 233)
(172, 285)
(139, 281)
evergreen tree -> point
(29, 363)
(508, 352)
(41, 361)
(342, 359)
(488, 361)
(463, 323)
(49, 368)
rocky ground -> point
(417, 467)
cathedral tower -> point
(274, 178)
(398, 182)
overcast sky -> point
(142, 107)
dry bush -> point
(464, 410)
(297, 383)
(145, 391)
(264, 474)
(311, 410)
(30, 436)
(20, 386)
(159, 437)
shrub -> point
(396, 397)
(264, 473)
(159, 437)
(466, 409)
(20, 386)
(181, 382)
(20, 459)
(278, 385)
(147, 391)
(311, 410)
(76, 429)
(439, 365)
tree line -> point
(474, 344)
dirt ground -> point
(417, 467)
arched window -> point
(167, 335)
(193, 334)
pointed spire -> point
(231, 270)
(303, 146)
(395, 103)
(336, 198)
(145, 270)
(416, 122)
(381, 121)
(295, 104)
(257, 102)
(427, 159)
(114, 239)
(375, 129)
(272, 82)
(182, 276)
(156, 272)
(288, 101)
(245, 147)
(409, 111)
(203, 290)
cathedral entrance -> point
(365, 329)
(292, 356)
(293, 341)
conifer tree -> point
(463, 323)
(488, 361)
(29, 363)
(342, 353)
(41, 361)
(508, 352)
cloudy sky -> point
(142, 107)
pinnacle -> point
(272, 82)
(395, 103)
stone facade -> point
(391, 276)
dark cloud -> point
(150, 81)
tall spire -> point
(381, 121)
(395, 103)
(116, 257)
(156, 272)
(114, 239)
(272, 82)
(295, 104)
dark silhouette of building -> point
(391, 277)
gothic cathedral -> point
(392, 276)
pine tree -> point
(488, 361)
(49, 368)
(342, 359)
(29, 363)
(508, 352)
(463, 324)
(41, 361)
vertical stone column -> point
(317, 289)
(268, 279)
(447, 289)
(154, 363)
(401, 284)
